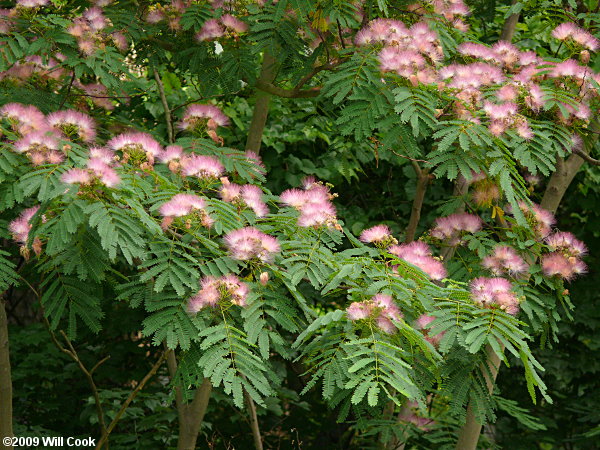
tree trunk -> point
(261, 107)
(510, 25)
(469, 433)
(191, 417)
(6, 415)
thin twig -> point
(409, 158)
(586, 157)
(163, 99)
(62, 103)
(415, 214)
(131, 397)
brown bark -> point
(190, 415)
(163, 99)
(261, 107)
(258, 445)
(469, 433)
(6, 415)
(510, 25)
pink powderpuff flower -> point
(32, 3)
(256, 160)
(377, 234)
(20, 227)
(6, 22)
(506, 53)
(385, 325)
(387, 305)
(98, 94)
(154, 16)
(505, 260)
(556, 264)
(76, 176)
(423, 323)
(450, 228)
(208, 295)
(103, 172)
(250, 243)
(203, 115)
(43, 143)
(106, 155)
(252, 197)
(542, 220)
(233, 23)
(418, 254)
(489, 292)
(71, 121)
(171, 153)
(296, 198)
(202, 166)
(211, 30)
(135, 142)
(359, 310)
(230, 192)
(582, 37)
(566, 243)
(26, 118)
(182, 205)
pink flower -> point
(103, 172)
(106, 155)
(20, 227)
(211, 30)
(582, 37)
(213, 290)
(41, 147)
(203, 115)
(76, 176)
(566, 243)
(135, 143)
(376, 234)
(314, 204)
(556, 264)
(250, 243)
(233, 23)
(71, 121)
(359, 310)
(26, 118)
(181, 205)
(423, 323)
(418, 254)
(450, 228)
(505, 260)
(171, 153)
(32, 3)
(201, 166)
(542, 219)
(494, 292)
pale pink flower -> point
(233, 23)
(228, 288)
(20, 227)
(582, 37)
(452, 227)
(250, 243)
(556, 264)
(202, 166)
(542, 219)
(135, 142)
(505, 260)
(171, 153)
(106, 155)
(566, 243)
(211, 30)
(182, 205)
(25, 118)
(418, 254)
(376, 234)
(359, 310)
(71, 121)
(423, 323)
(76, 176)
(203, 115)
(494, 292)
(32, 3)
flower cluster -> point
(247, 195)
(20, 228)
(565, 259)
(419, 254)
(314, 204)
(570, 31)
(505, 260)
(138, 148)
(494, 293)
(23, 118)
(99, 169)
(202, 167)
(215, 28)
(249, 243)
(381, 308)
(380, 235)
(41, 147)
(88, 29)
(225, 289)
(73, 124)
(485, 191)
(204, 118)
(540, 220)
(182, 205)
(453, 227)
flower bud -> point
(264, 278)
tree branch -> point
(131, 397)
(258, 445)
(261, 107)
(587, 158)
(163, 99)
(287, 93)
(510, 25)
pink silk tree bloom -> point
(208, 116)
(423, 323)
(32, 3)
(505, 260)
(72, 122)
(202, 166)
(135, 143)
(106, 155)
(388, 307)
(228, 289)
(418, 254)
(24, 118)
(250, 243)
(379, 234)
(41, 147)
(233, 23)
(76, 176)
(20, 227)
(182, 205)
(578, 35)
(211, 30)
(494, 292)
(556, 264)
(540, 219)
(359, 310)
(171, 153)
(566, 243)
(452, 227)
